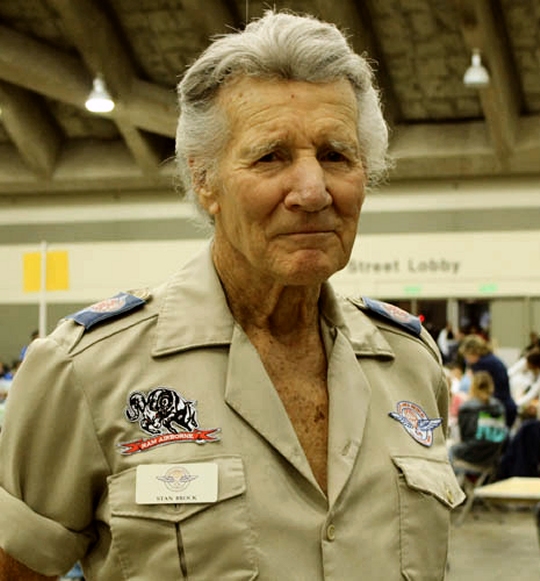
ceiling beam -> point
(82, 167)
(482, 27)
(31, 127)
(461, 149)
(146, 149)
(96, 38)
(217, 17)
(48, 71)
(363, 25)
(91, 31)
(41, 68)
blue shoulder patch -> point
(109, 308)
(394, 314)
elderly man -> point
(242, 421)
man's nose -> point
(307, 189)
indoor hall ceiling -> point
(50, 50)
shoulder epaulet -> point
(391, 313)
(111, 308)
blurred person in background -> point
(447, 342)
(525, 384)
(481, 423)
(479, 357)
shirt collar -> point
(194, 313)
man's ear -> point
(206, 194)
(208, 200)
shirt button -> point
(331, 532)
(449, 495)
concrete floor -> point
(495, 546)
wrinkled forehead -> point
(252, 104)
(245, 89)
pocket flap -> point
(122, 486)
(431, 476)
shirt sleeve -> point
(51, 464)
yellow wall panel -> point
(57, 270)
(31, 272)
(57, 274)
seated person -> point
(525, 383)
(482, 424)
(454, 375)
(460, 377)
(479, 357)
(522, 455)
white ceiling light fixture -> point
(476, 76)
(99, 100)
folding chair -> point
(471, 476)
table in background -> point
(515, 490)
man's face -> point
(290, 184)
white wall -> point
(492, 264)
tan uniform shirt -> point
(158, 386)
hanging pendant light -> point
(476, 76)
(99, 100)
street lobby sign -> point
(405, 266)
(442, 265)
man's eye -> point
(268, 157)
(333, 156)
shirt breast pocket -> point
(195, 542)
(428, 491)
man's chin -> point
(309, 273)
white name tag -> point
(176, 483)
